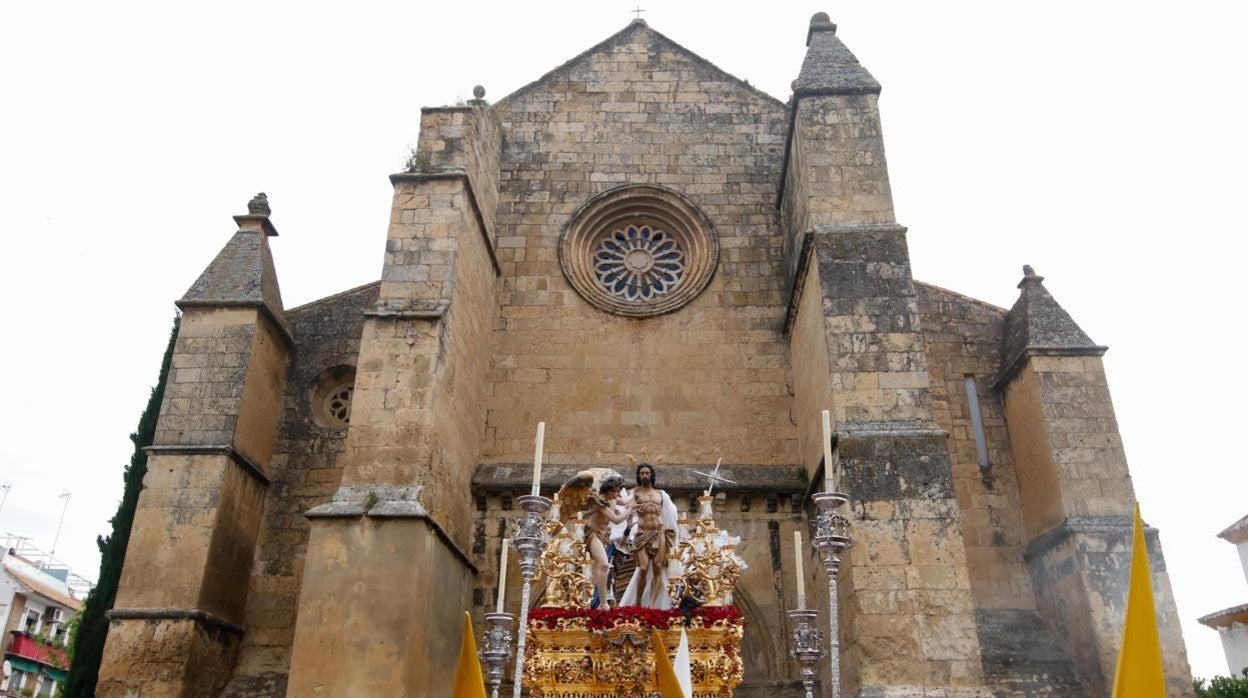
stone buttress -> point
(1076, 493)
(386, 557)
(176, 624)
(857, 349)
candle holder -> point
(832, 538)
(807, 647)
(496, 648)
(529, 542)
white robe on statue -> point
(653, 585)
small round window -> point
(331, 397)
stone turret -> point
(185, 580)
(1076, 493)
(830, 68)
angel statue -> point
(595, 493)
(652, 535)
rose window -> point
(638, 250)
(639, 263)
(332, 392)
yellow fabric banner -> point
(469, 683)
(1140, 673)
(669, 685)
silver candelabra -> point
(496, 648)
(807, 647)
(529, 541)
(831, 539)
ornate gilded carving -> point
(710, 563)
(563, 566)
(593, 656)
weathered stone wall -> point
(812, 369)
(463, 139)
(963, 339)
(1083, 437)
(708, 380)
(421, 357)
(794, 200)
(392, 597)
(305, 471)
(837, 173)
(205, 385)
(165, 658)
(1021, 655)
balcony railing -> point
(30, 647)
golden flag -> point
(1140, 673)
(669, 685)
(469, 683)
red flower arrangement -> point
(604, 618)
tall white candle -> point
(829, 481)
(502, 575)
(537, 459)
(801, 573)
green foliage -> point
(87, 644)
(800, 472)
(71, 633)
(416, 161)
(1223, 687)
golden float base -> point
(574, 653)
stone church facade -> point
(651, 256)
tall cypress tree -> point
(88, 644)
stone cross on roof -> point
(637, 11)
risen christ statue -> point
(653, 535)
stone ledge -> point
(1118, 525)
(1018, 362)
(807, 252)
(286, 334)
(385, 502)
(210, 450)
(459, 174)
(755, 479)
(174, 614)
(408, 311)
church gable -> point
(657, 60)
(640, 110)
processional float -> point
(566, 649)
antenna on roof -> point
(64, 495)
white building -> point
(38, 596)
(1232, 623)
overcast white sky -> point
(1102, 142)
